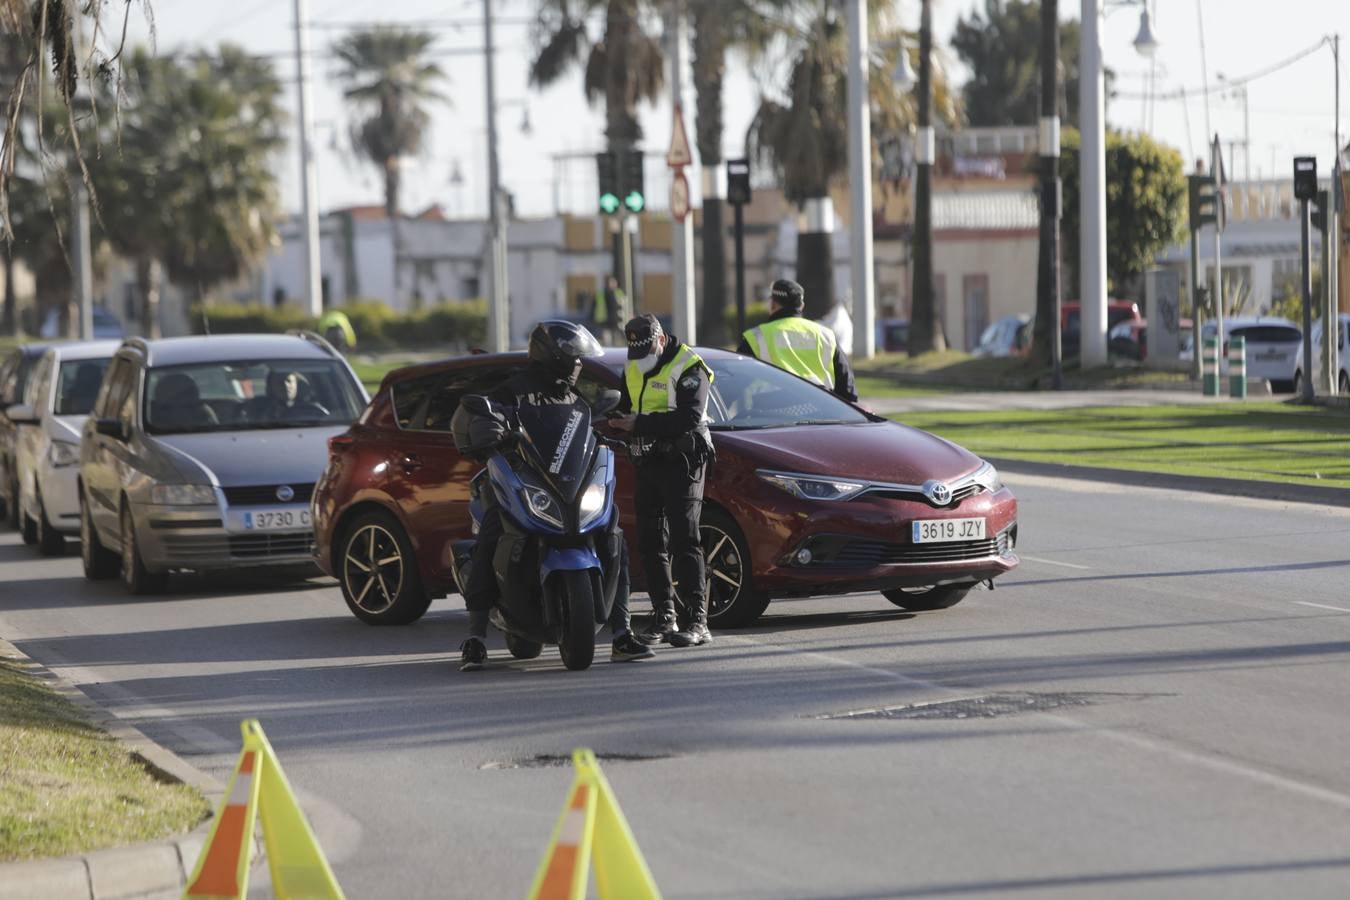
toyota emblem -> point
(286, 493)
(938, 492)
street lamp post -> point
(923, 331)
(1048, 274)
(1092, 166)
(309, 179)
(499, 321)
(860, 182)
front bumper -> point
(864, 544)
(195, 537)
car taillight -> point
(340, 443)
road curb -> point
(155, 867)
(1232, 487)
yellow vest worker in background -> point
(664, 405)
(794, 344)
(337, 329)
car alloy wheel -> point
(732, 599)
(50, 541)
(373, 568)
(138, 579)
(99, 562)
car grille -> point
(958, 495)
(188, 548)
(860, 553)
(265, 494)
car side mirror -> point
(110, 428)
(21, 414)
(606, 402)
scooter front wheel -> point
(576, 630)
(522, 648)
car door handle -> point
(410, 462)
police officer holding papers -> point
(664, 409)
(795, 344)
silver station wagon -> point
(202, 454)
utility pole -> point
(1092, 226)
(1217, 173)
(924, 335)
(309, 182)
(83, 327)
(682, 249)
(499, 318)
(1048, 333)
(860, 182)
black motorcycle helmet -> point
(558, 347)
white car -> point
(60, 395)
(1343, 357)
(1274, 347)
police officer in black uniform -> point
(664, 405)
(556, 351)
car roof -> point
(1245, 321)
(228, 348)
(85, 350)
(30, 351)
(613, 359)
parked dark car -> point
(15, 368)
(1071, 324)
(809, 495)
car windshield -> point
(237, 396)
(77, 386)
(747, 393)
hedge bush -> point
(460, 324)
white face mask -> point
(647, 363)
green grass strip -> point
(1253, 441)
(67, 787)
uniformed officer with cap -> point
(664, 407)
(798, 345)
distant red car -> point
(809, 495)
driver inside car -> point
(285, 400)
(556, 351)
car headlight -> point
(182, 494)
(987, 477)
(542, 505)
(808, 487)
(63, 453)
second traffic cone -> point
(592, 828)
(222, 868)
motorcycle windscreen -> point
(562, 441)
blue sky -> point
(1290, 111)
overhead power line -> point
(1229, 84)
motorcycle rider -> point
(556, 351)
(795, 344)
(665, 401)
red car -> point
(809, 495)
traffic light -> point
(1320, 204)
(738, 181)
(634, 200)
(1205, 205)
(608, 177)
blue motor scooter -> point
(554, 480)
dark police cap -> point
(641, 332)
(788, 294)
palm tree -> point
(806, 138)
(718, 26)
(623, 67)
(389, 78)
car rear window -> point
(1268, 334)
(78, 386)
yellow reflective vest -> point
(796, 345)
(656, 393)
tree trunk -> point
(815, 256)
(11, 315)
(924, 334)
(709, 67)
(1047, 267)
(392, 184)
(148, 283)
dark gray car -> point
(202, 454)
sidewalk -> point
(979, 401)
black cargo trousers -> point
(669, 504)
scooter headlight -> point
(592, 502)
(542, 505)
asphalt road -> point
(1176, 670)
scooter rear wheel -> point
(576, 631)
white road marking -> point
(1175, 750)
(1322, 606)
(1051, 562)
